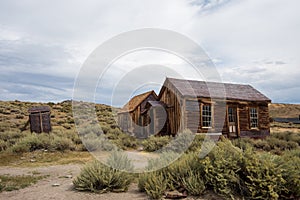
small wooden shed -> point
(39, 118)
(131, 112)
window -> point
(231, 115)
(253, 118)
(206, 115)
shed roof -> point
(216, 90)
(135, 101)
(156, 103)
(39, 109)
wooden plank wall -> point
(171, 98)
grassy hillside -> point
(284, 110)
(14, 115)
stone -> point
(175, 195)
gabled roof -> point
(136, 101)
(200, 89)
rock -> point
(140, 148)
(175, 195)
(55, 184)
(22, 158)
(32, 160)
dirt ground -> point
(63, 175)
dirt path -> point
(63, 175)
(60, 174)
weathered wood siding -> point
(172, 99)
(40, 122)
(192, 119)
(263, 129)
(126, 120)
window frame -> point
(252, 117)
(209, 114)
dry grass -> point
(10, 183)
(40, 158)
(284, 110)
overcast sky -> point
(43, 44)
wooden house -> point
(130, 114)
(202, 107)
(39, 118)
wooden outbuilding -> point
(130, 114)
(238, 111)
(39, 118)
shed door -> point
(232, 122)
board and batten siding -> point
(172, 99)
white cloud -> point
(252, 41)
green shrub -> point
(120, 161)
(289, 164)
(92, 142)
(115, 131)
(43, 141)
(193, 183)
(62, 144)
(162, 161)
(3, 145)
(105, 128)
(155, 185)
(20, 148)
(8, 135)
(29, 143)
(221, 168)
(195, 146)
(262, 178)
(142, 181)
(288, 136)
(97, 177)
(124, 141)
(154, 143)
(181, 142)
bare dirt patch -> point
(59, 185)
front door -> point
(232, 122)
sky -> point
(44, 44)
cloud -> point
(43, 44)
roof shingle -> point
(217, 90)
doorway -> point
(232, 122)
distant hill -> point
(284, 110)
(14, 114)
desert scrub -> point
(194, 183)
(262, 177)
(155, 185)
(289, 163)
(221, 167)
(181, 142)
(10, 183)
(97, 177)
(125, 141)
(118, 160)
(154, 143)
(3, 145)
(92, 142)
(50, 142)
